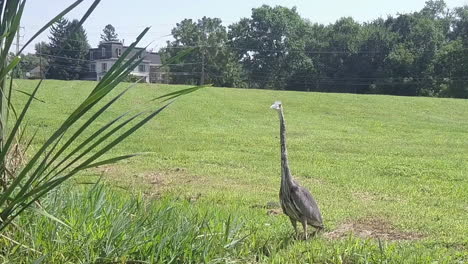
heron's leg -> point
(318, 230)
(304, 225)
(294, 224)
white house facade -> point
(106, 54)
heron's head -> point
(277, 106)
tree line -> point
(423, 53)
(66, 55)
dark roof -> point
(111, 52)
(154, 57)
(36, 69)
(151, 57)
(110, 42)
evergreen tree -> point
(68, 51)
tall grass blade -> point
(122, 137)
(29, 94)
(51, 22)
(85, 126)
(175, 94)
(113, 71)
(43, 212)
(18, 122)
(98, 141)
(110, 161)
(9, 68)
(86, 142)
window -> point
(103, 52)
(104, 67)
(118, 51)
(142, 68)
(92, 67)
(91, 57)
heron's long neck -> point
(286, 177)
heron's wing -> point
(307, 205)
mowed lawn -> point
(379, 166)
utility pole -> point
(18, 41)
(202, 77)
(202, 48)
(40, 61)
(18, 36)
(17, 69)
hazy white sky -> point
(130, 17)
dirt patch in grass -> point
(274, 212)
(153, 182)
(107, 169)
(364, 196)
(158, 181)
(371, 228)
(154, 178)
(368, 197)
(174, 181)
(273, 207)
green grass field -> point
(379, 166)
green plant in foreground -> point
(66, 152)
(103, 226)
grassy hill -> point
(379, 166)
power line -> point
(250, 49)
(65, 39)
(96, 61)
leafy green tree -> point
(343, 45)
(460, 23)
(423, 53)
(108, 34)
(28, 62)
(412, 60)
(68, 51)
(265, 42)
(369, 64)
(452, 63)
(211, 62)
(41, 48)
(435, 9)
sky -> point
(131, 17)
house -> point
(36, 73)
(107, 53)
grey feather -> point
(307, 205)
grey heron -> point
(296, 201)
